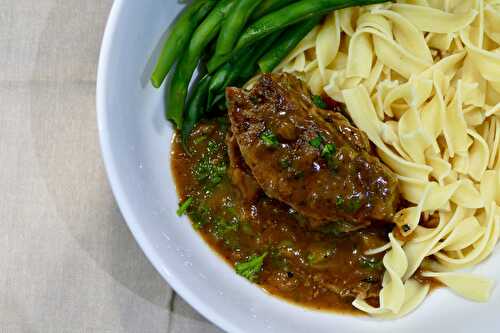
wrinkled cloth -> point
(68, 262)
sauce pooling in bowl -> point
(267, 241)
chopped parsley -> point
(277, 260)
(231, 210)
(286, 244)
(222, 227)
(298, 175)
(339, 202)
(269, 139)
(210, 173)
(319, 102)
(183, 207)
(350, 205)
(285, 163)
(371, 263)
(328, 150)
(317, 141)
(353, 205)
(211, 168)
(312, 259)
(250, 268)
(200, 216)
(319, 255)
(334, 229)
(199, 139)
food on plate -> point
(180, 37)
(199, 25)
(343, 155)
(267, 241)
(313, 160)
(286, 43)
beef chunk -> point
(239, 173)
(311, 159)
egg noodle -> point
(422, 79)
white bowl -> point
(135, 141)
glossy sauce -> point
(321, 268)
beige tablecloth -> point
(68, 262)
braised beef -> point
(239, 173)
(313, 160)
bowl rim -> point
(168, 272)
(176, 283)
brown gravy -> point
(323, 269)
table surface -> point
(69, 262)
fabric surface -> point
(68, 262)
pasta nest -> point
(422, 79)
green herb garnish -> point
(222, 227)
(211, 168)
(231, 210)
(285, 163)
(232, 241)
(298, 175)
(212, 147)
(209, 173)
(317, 256)
(199, 139)
(269, 139)
(339, 202)
(371, 263)
(318, 101)
(251, 267)
(333, 229)
(353, 205)
(200, 216)
(317, 141)
(286, 244)
(328, 150)
(183, 207)
(277, 260)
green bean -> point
(205, 33)
(292, 14)
(229, 72)
(211, 88)
(196, 108)
(231, 30)
(237, 71)
(247, 66)
(287, 42)
(269, 6)
(179, 37)
(219, 82)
